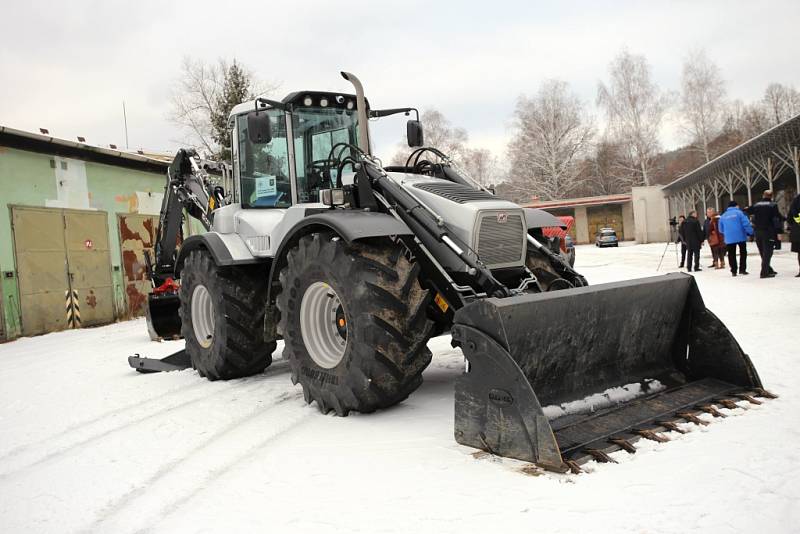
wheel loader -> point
(356, 265)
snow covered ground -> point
(89, 445)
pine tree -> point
(237, 88)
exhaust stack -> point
(361, 107)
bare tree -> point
(199, 98)
(635, 108)
(702, 101)
(482, 166)
(551, 134)
(781, 102)
(605, 175)
(746, 120)
(439, 133)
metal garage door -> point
(63, 268)
(605, 217)
(89, 263)
(137, 234)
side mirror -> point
(414, 133)
(259, 130)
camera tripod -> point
(672, 234)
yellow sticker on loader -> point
(439, 300)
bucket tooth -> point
(652, 435)
(692, 418)
(748, 398)
(672, 426)
(573, 467)
(624, 444)
(600, 456)
(728, 403)
(761, 392)
(709, 409)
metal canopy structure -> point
(768, 159)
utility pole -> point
(125, 120)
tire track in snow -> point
(98, 418)
(181, 479)
(132, 415)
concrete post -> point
(581, 225)
(769, 173)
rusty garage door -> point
(63, 268)
(136, 235)
(609, 216)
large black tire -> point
(237, 347)
(553, 272)
(387, 327)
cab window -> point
(264, 167)
(316, 132)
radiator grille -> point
(501, 244)
(455, 192)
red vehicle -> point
(565, 240)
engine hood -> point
(463, 210)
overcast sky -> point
(68, 66)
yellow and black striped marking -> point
(72, 308)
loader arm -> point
(187, 190)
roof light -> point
(307, 101)
(350, 104)
(323, 102)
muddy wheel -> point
(553, 273)
(353, 318)
(222, 315)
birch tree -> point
(781, 102)
(482, 166)
(439, 133)
(551, 134)
(702, 101)
(634, 108)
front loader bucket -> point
(555, 377)
(163, 320)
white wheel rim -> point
(203, 316)
(320, 326)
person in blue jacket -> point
(735, 227)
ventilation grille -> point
(501, 244)
(455, 192)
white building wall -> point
(650, 214)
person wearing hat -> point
(735, 228)
(765, 219)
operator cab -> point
(285, 152)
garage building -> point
(593, 213)
(75, 221)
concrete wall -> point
(581, 225)
(628, 222)
(33, 179)
(650, 215)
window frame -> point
(291, 175)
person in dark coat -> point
(735, 227)
(681, 221)
(765, 214)
(794, 227)
(693, 235)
